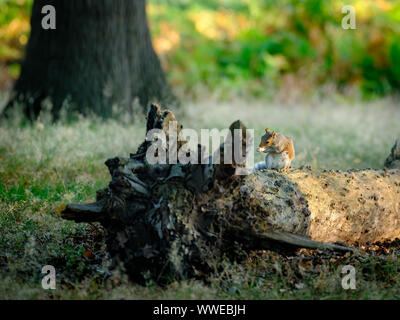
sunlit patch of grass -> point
(44, 165)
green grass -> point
(45, 165)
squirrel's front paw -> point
(284, 170)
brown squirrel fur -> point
(275, 143)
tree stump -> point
(176, 221)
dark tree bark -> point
(393, 160)
(180, 220)
(100, 55)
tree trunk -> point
(180, 220)
(99, 55)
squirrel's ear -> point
(267, 130)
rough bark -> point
(179, 220)
(100, 55)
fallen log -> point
(353, 207)
(179, 220)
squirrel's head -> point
(266, 140)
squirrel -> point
(279, 149)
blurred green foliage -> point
(257, 46)
(14, 33)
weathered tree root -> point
(393, 160)
(179, 221)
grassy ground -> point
(44, 165)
